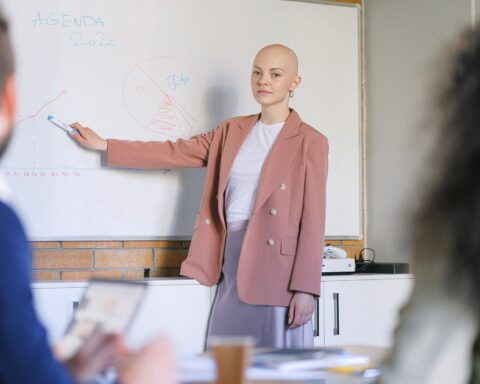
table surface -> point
(377, 356)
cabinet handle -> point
(75, 305)
(336, 314)
(316, 324)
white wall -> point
(404, 43)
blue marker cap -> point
(62, 125)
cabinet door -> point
(55, 307)
(178, 311)
(363, 312)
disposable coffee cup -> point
(232, 357)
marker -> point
(62, 125)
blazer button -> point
(273, 212)
(270, 242)
(283, 186)
(207, 221)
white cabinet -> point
(361, 310)
(178, 311)
(54, 303)
(357, 309)
(178, 308)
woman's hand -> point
(301, 309)
(88, 138)
(97, 353)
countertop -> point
(188, 281)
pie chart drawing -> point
(164, 95)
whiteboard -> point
(160, 70)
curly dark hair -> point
(450, 213)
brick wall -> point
(81, 260)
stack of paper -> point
(296, 360)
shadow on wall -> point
(221, 102)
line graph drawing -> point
(29, 138)
(164, 95)
(34, 115)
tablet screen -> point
(109, 305)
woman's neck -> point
(274, 114)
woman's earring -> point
(290, 94)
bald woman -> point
(259, 232)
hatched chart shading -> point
(164, 95)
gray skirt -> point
(232, 317)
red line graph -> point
(63, 93)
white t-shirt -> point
(5, 192)
(245, 173)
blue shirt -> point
(25, 356)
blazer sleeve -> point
(25, 356)
(190, 153)
(307, 268)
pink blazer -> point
(283, 244)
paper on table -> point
(290, 360)
(195, 368)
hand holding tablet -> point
(108, 306)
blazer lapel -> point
(234, 139)
(277, 161)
